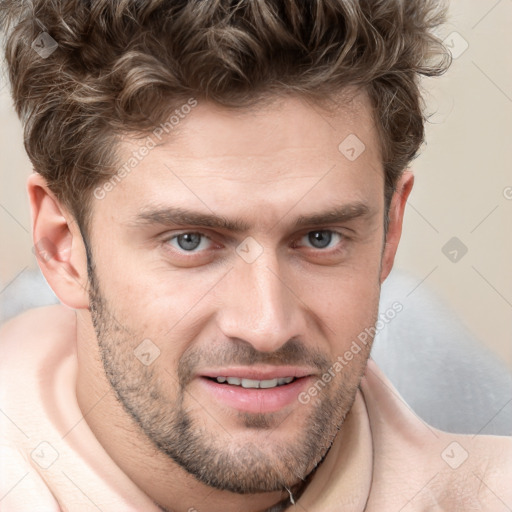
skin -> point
(295, 305)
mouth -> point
(263, 390)
(252, 383)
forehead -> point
(286, 124)
(263, 159)
(282, 124)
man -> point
(218, 195)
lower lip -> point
(255, 400)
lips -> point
(258, 390)
(254, 383)
(267, 372)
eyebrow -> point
(183, 217)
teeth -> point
(250, 383)
(268, 383)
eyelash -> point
(189, 254)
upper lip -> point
(258, 373)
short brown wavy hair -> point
(122, 65)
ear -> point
(58, 245)
(396, 216)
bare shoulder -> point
(36, 316)
(37, 323)
(493, 455)
(485, 473)
(492, 449)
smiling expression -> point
(238, 260)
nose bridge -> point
(260, 308)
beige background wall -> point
(464, 176)
(463, 180)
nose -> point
(259, 305)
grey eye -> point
(320, 239)
(189, 241)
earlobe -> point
(58, 245)
(396, 215)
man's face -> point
(248, 247)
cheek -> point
(350, 307)
(139, 283)
(345, 302)
(164, 306)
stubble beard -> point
(214, 457)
